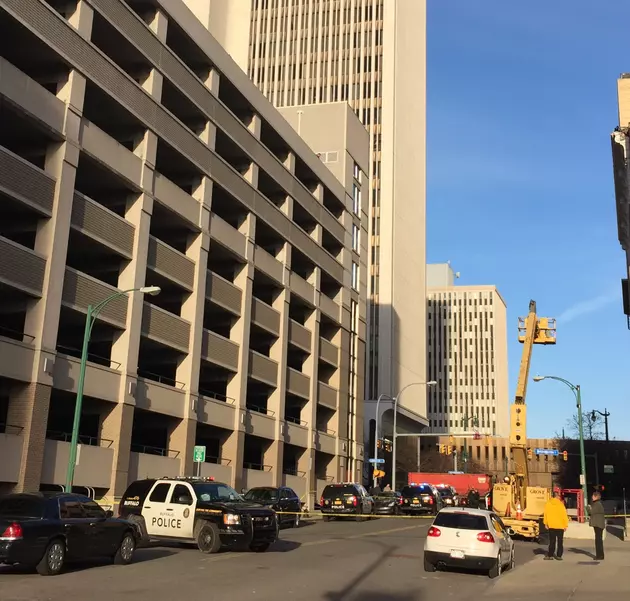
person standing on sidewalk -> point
(556, 521)
(597, 521)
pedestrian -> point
(597, 521)
(473, 498)
(556, 521)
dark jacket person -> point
(598, 523)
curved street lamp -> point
(395, 399)
(575, 388)
(90, 319)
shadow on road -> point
(284, 546)
(581, 552)
(140, 556)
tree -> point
(592, 424)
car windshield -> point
(460, 520)
(337, 491)
(21, 507)
(386, 494)
(408, 491)
(262, 495)
(216, 492)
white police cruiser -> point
(197, 510)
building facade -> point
(467, 338)
(493, 457)
(134, 152)
(620, 139)
(363, 52)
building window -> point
(356, 199)
(355, 238)
(355, 172)
(355, 276)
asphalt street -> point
(379, 560)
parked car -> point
(387, 502)
(469, 538)
(420, 498)
(348, 498)
(48, 530)
(198, 510)
(282, 499)
(449, 497)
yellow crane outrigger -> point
(521, 506)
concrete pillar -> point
(116, 425)
(28, 409)
(237, 388)
(82, 19)
(213, 81)
(289, 162)
(181, 438)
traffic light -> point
(379, 444)
(565, 455)
(442, 449)
(449, 450)
(530, 454)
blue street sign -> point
(554, 452)
(376, 460)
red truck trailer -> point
(462, 483)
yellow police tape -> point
(308, 516)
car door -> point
(104, 534)
(367, 500)
(76, 528)
(284, 505)
(154, 508)
(501, 536)
(294, 504)
(180, 510)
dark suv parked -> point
(345, 499)
(420, 498)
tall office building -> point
(620, 139)
(371, 54)
(134, 152)
(467, 356)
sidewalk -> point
(577, 578)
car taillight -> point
(433, 531)
(400, 500)
(321, 501)
(13, 532)
(353, 500)
(430, 500)
(485, 537)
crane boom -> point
(531, 330)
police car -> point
(197, 510)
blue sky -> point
(521, 103)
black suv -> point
(420, 498)
(449, 498)
(284, 500)
(200, 510)
(345, 499)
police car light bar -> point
(196, 478)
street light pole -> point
(90, 319)
(575, 388)
(396, 399)
(605, 415)
(378, 402)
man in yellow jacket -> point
(556, 521)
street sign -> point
(553, 452)
(609, 469)
(376, 460)
(199, 454)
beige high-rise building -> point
(620, 139)
(370, 54)
(134, 152)
(467, 334)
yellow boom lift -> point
(522, 506)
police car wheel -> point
(208, 537)
(124, 555)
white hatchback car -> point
(469, 538)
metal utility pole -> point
(605, 415)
